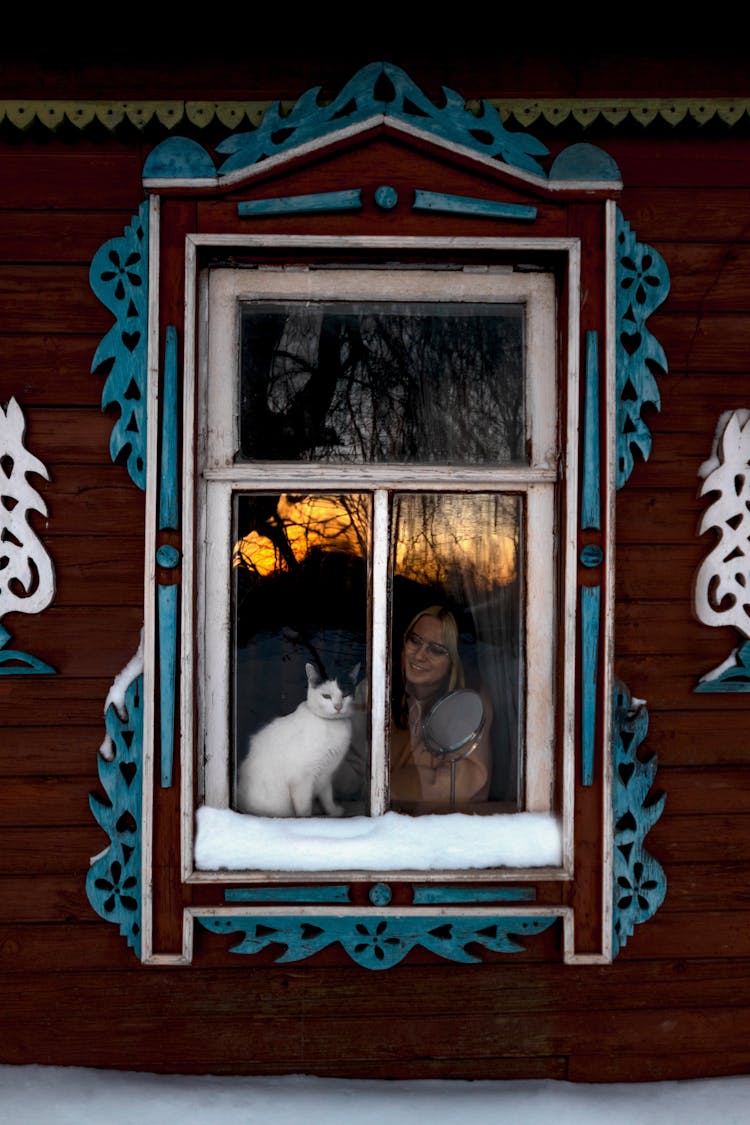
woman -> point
(430, 667)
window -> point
(400, 352)
(376, 443)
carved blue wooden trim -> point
(179, 158)
(377, 941)
(591, 556)
(386, 197)
(113, 883)
(16, 663)
(590, 623)
(321, 202)
(468, 205)
(735, 674)
(639, 882)
(168, 556)
(381, 89)
(382, 92)
(591, 501)
(119, 278)
(582, 162)
(642, 283)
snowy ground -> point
(37, 1095)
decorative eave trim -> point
(168, 115)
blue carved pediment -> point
(379, 93)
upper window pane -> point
(358, 382)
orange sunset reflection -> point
(435, 535)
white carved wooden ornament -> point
(27, 577)
(722, 583)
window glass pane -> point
(300, 598)
(457, 614)
(382, 381)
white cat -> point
(291, 761)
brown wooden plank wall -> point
(676, 1003)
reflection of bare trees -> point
(381, 382)
(456, 540)
(277, 532)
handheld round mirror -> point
(452, 727)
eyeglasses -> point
(415, 642)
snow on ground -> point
(38, 1095)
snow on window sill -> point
(226, 840)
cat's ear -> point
(313, 675)
(355, 673)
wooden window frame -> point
(218, 476)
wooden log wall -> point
(675, 1004)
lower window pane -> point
(458, 652)
(300, 612)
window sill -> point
(226, 840)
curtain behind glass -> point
(465, 552)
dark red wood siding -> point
(676, 1003)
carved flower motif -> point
(638, 274)
(123, 272)
(375, 941)
(117, 886)
(639, 889)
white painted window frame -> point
(550, 526)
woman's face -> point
(427, 661)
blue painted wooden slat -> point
(432, 894)
(338, 893)
(167, 612)
(168, 596)
(591, 501)
(590, 620)
(168, 482)
(469, 205)
(320, 202)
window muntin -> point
(531, 486)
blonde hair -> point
(450, 640)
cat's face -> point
(330, 698)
